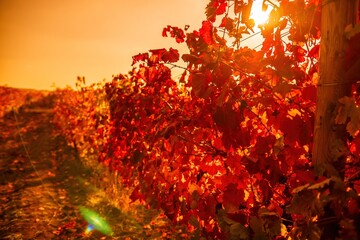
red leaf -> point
(233, 197)
(158, 52)
(302, 177)
(264, 144)
(175, 32)
(309, 93)
(167, 145)
(192, 59)
(283, 23)
(240, 137)
(266, 190)
(221, 74)
(245, 11)
(200, 84)
(171, 56)
(140, 57)
(207, 165)
(225, 117)
(296, 130)
(206, 32)
(235, 163)
(250, 24)
(222, 4)
(218, 144)
(314, 52)
(156, 55)
(298, 53)
(136, 195)
(227, 23)
(238, 5)
(215, 7)
(182, 78)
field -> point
(44, 182)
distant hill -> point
(13, 98)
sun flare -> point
(257, 13)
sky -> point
(48, 43)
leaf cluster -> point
(226, 148)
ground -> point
(43, 183)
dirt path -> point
(43, 184)
(33, 178)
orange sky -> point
(46, 42)
(53, 41)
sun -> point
(259, 16)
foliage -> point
(82, 115)
(13, 99)
(226, 149)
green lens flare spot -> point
(95, 221)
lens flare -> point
(89, 228)
(95, 222)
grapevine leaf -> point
(221, 7)
(256, 225)
(156, 55)
(239, 231)
(210, 11)
(348, 110)
(171, 56)
(264, 144)
(250, 24)
(266, 190)
(338, 149)
(222, 74)
(309, 93)
(206, 32)
(295, 129)
(352, 56)
(314, 51)
(227, 23)
(271, 220)
(264, 6)
(136, 195)
(347, 105)
(245, 11)
(140, 57)
(233, 197)
(225, 117)
(175, 32)
(200, 84)
(283, 23)
(353, 126)
(190, 58)
(232, 228)
(235, 163)
(351, 30)
(302, 200)
(215, 7)
(301, 188)
(321, 184)
(264, 212)
(194, 222)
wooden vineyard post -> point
(330, 138)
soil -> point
(43, 183)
